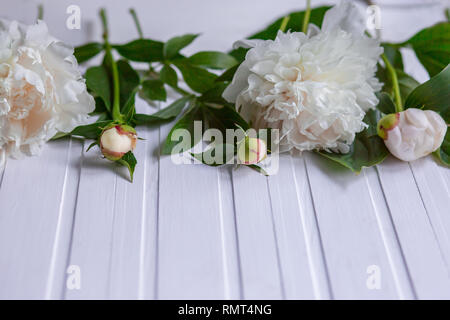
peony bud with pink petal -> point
(413, 133)
(251, 151)
(117, 140)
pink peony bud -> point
(117, 140)
(251, 151)
(413, 133)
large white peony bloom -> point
(315, 88)
(41, 90)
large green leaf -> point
(394, 55)
(220, 118)
(367, 150)
(169, 75)
(198, 79)
(153, 90)
(213, 60)
(97, 81)
(142, 50)
(385, 105)
(175, 44)
(433, 95)
(87, 51)
(217, 155)
(432, 47)
(128, 81)
(406, 83)
(443, 153)
(91, 131)
(295, 24)
(167, 114)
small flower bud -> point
(251, 151)
(413, 133)
(117, 140)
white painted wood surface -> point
(189, 231)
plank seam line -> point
(158, 204)
(57, 239)
(226, 279)
(111, 240)
(389, 250)
(314, 276)
(72, 227)
(241, 286)
(142, 245)
(2, 175)
(277, 245)
(397, 238)
(430, 223)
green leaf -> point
(97, 81)
(432, 47)
(295, 24)
(175, 44)
(367, 150)
(91, 131)
(167, 114)
(257, 169)
(128, 109)
(394, 55)
(142, 50)
(87, 51)
(129, 161)
(221, 118)
(433, 95)
(128, 81)
(386, 105)
(212, 60)
(224, 153)
(186, 122)
(153, 90)
(228, 74)
(406, 83)
(198, 79)
(443, 153)
(169, 75)
(214, 95)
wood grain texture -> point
(313, 231)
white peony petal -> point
(344, 16)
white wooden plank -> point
(349, 230)
(301, 260)
(258, 249)
(190, 240)
(417, 235)
(29, 229)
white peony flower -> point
(41, 89)
(315, 88)
(413, 133)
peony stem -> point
(307, 15)
(284, 23)
(395, 85)
(40, 12)
(117, 116)
(136, 22)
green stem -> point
(117, 116)
(284, 23)
(40, 12)
(395, 85)
(136, 22)
(307, 15)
